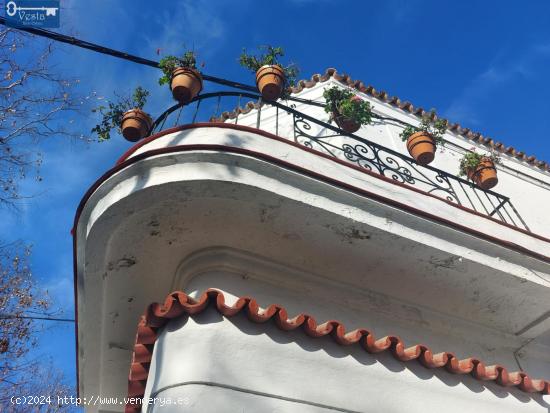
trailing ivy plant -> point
(269, 57)
(169, 63)
(344, 102)
(113, 112)
(435, 128)
(471, 160)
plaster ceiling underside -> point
(205, 214)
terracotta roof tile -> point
(178, 304)
(408, 107)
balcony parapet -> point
(311, 132)
(249, 141)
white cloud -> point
(60, 288)
(196, 24)
(503, 70)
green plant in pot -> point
(480, 168)
(126, 115)
(423, 139)
(347, 109)
(273, 79)
(182, 75)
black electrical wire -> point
(115, 53)
(28, 317)
(135, 59)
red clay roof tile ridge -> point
(409, 107)
(178, 304)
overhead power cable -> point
(73, 41)
(135, 59)
(28, 317)
(115, 53)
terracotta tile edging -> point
(179, 304)
(405, 106)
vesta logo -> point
(32, 13)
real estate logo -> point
(32, 13)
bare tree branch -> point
(20, 374)
(34, 104)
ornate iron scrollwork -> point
(375, 158)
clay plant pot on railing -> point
(480, 169)
(346, 109)
(126, 115)
(182, 75)
(272, 78)
(422, 140)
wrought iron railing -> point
(286, 121)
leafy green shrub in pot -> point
(182, 75)
(480, 168)
(126, 115)
(273, 79)
(347, 109)
(423, 139)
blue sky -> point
(484, 64)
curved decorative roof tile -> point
(409, 107)
(178, 304)
(395, 101)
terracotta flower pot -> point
(135, 125)
(186, 83)
(270, 80)
(485, 174)
(347, 124)
(421, 146)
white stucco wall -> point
(319, 248)
(214, 363)
(219, 365)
